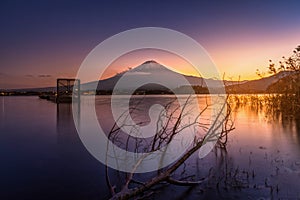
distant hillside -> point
(31, 90)
(288, 84)
(259, 85)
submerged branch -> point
(184, 183)
(163, 137)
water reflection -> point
(262, 159)
(81, 176)
(43, 157)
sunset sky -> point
(43, 40)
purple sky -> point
(43, 40)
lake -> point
(43, 157)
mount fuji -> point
(152, 71)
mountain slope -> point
(257, 86)
(289, 84)
(151, 71)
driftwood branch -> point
(184, 183)
(163, 137)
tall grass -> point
(277, 105)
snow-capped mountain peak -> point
(150, 66)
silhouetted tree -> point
(288, 85)
(292, 63)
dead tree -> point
(170, 127)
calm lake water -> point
(42, 156)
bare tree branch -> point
(165, 132)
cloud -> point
(44, 76)
(29, 75)
(39, 76)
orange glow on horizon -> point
(237, 57)
(240, 55)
